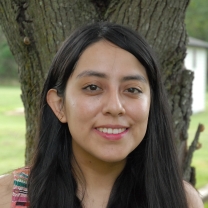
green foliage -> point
(196, 19)
(8, 67)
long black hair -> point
(151, 177)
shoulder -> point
(6, 187)
(193, 197)
(16, 180)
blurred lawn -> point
(200, 160)
(12, 135)
(12, 129)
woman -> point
(105, 135)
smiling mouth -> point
(111, 131)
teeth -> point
(115, 131)
(111, 131)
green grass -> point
(12, 135)
(12, 129)
(200, 160)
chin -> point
(113, 159)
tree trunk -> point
(36, 28)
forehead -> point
(106, 57)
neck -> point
(95, 178)
(97, 173)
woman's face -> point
(107, 101)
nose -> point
(113, 104)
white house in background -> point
(196, 60)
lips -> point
(111, 130)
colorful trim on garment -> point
(19, 195)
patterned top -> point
(19, 195)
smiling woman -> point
(105, 137)
(106, 108)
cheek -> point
(140, 116)
(81, 109)
(140, 111)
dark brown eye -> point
(92, 87)
(133, 90)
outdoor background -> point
(12, 122)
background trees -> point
(8, 67)
(35, 29)
(196, 19)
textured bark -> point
(36, 28)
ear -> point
(56, 104)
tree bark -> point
(36, 28)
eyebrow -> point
(92, 73)
(134, 77)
